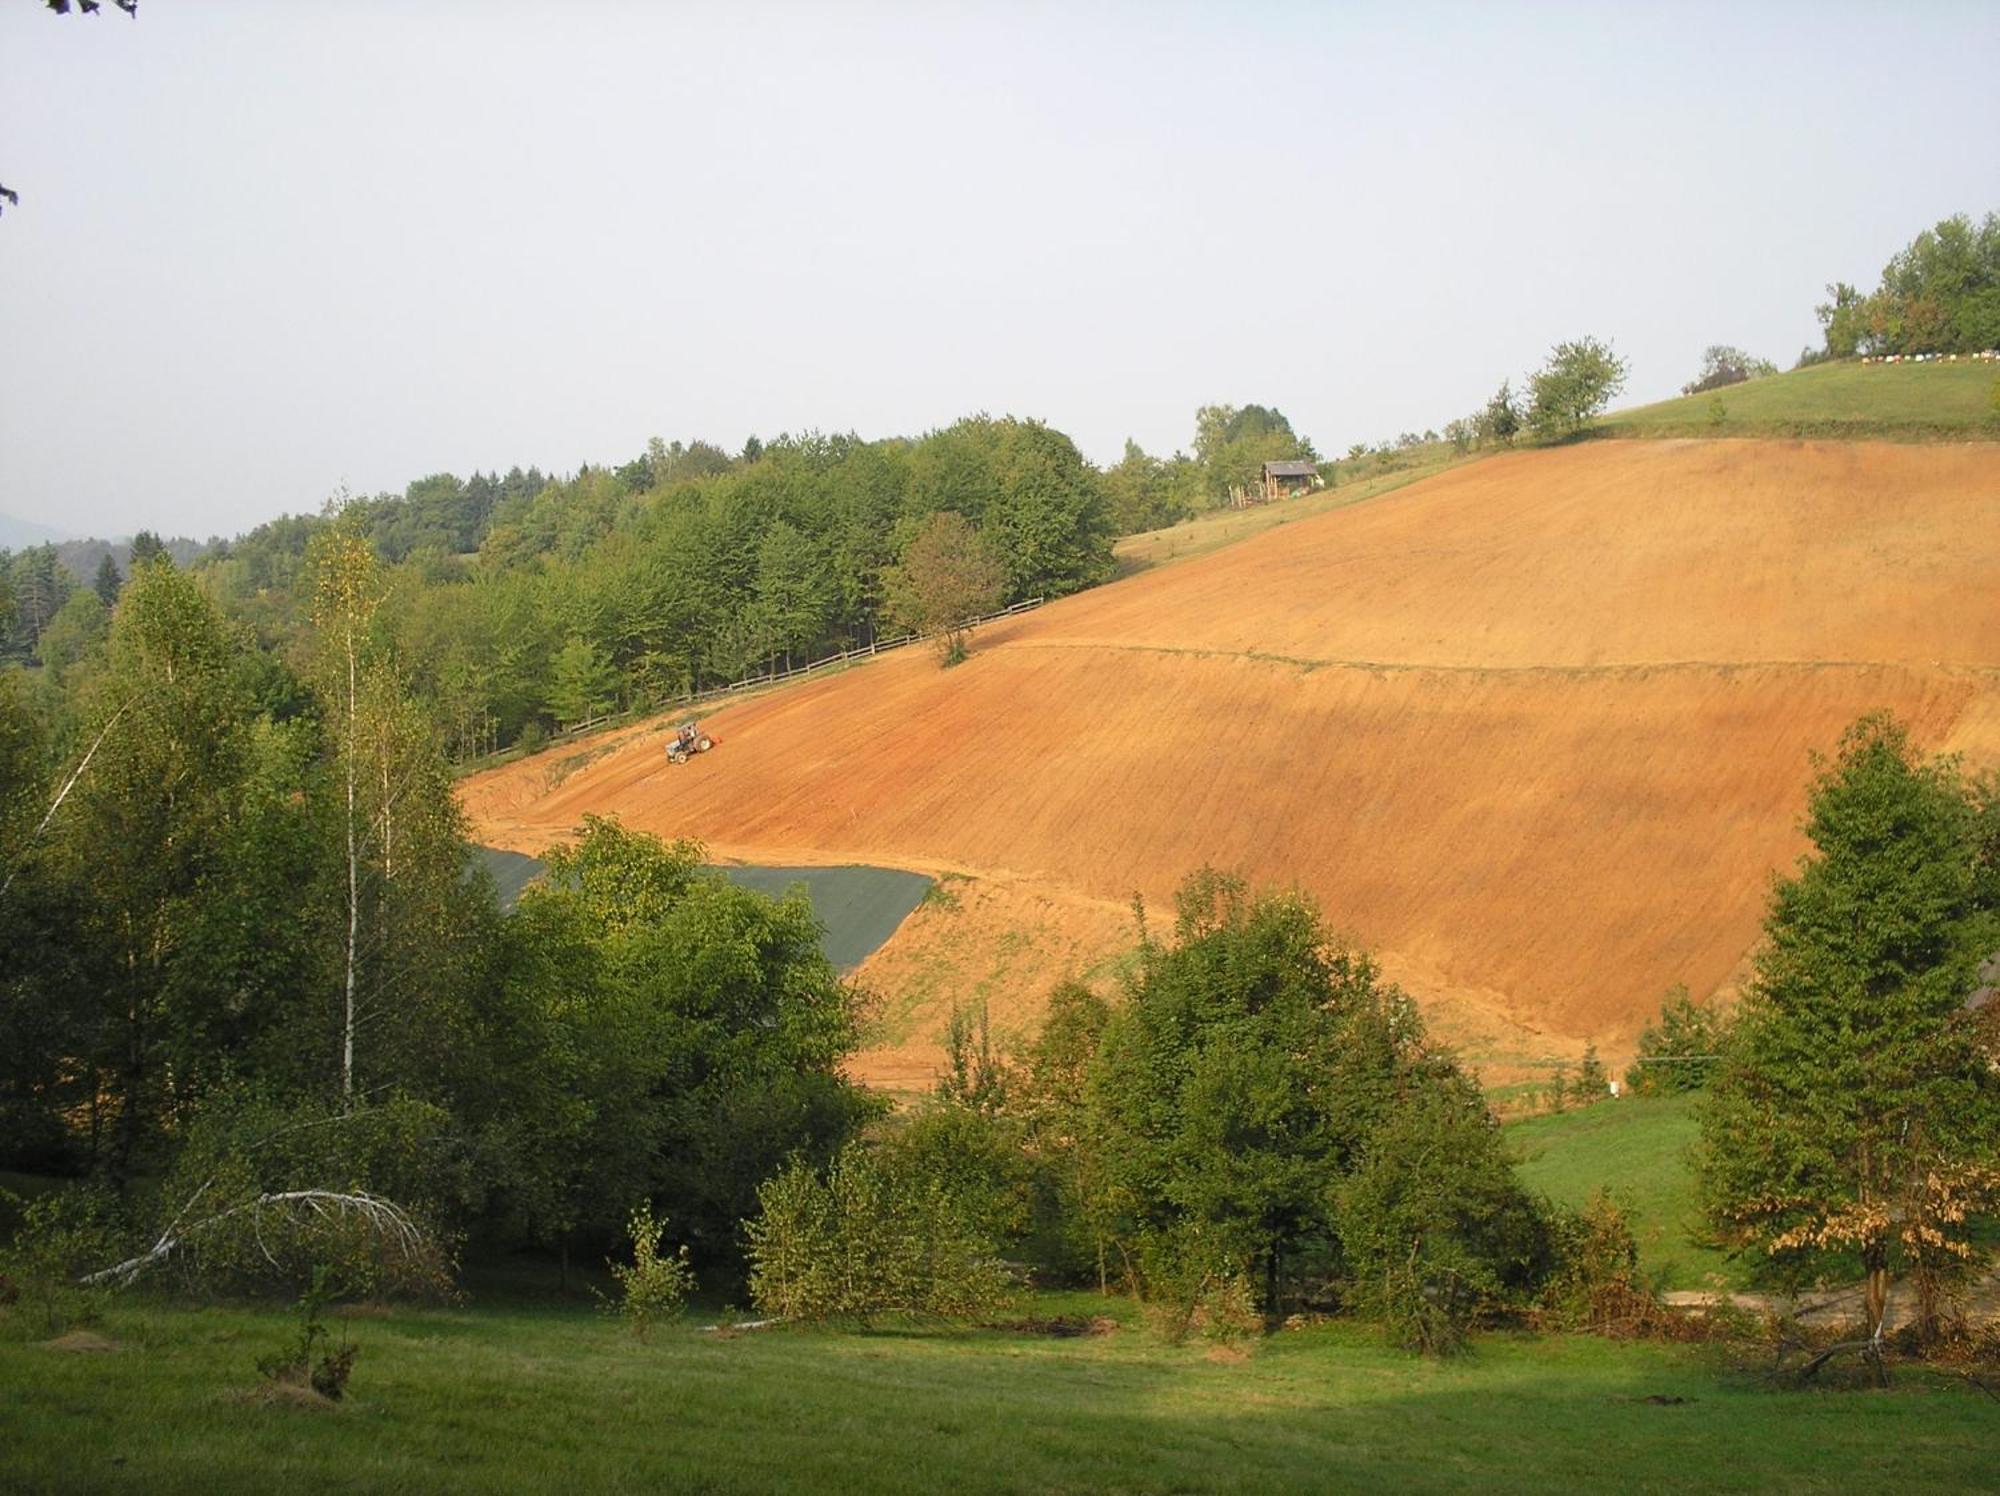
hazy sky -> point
(270, 247)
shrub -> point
(1722, 365)
(975, 1074)
(1428, 1302)
(62, 1236)
(1595, 1283)
(1593, 1082)
(653, 1289)
(1435, 1228)
(314, 1361)
(1679, 1053)
(1194, 1279)
(975, 1157)
(869, 1239)
(266, 1192)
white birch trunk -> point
(353, 893)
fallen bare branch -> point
(388, 1220)
(748, 1324)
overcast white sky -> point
(265, 249)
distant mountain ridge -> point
(16, 533)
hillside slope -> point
(1846, 399)
(1536, 729)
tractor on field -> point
(687, 741)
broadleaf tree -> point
(949, 577)
(1575, 384)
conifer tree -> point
(1854, 1123)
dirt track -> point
(1536, 730)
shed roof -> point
(1290, 470)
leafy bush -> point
(680, 1039)
(975, 1075)
(1436, 1230)
(314, 1361)
(63, 1235)
(1428, 1302)
(1195, 1278)
(1679, 1053)
(973, 1156)
(654, 1288)
(1263, 1108)
(872, 1237)
(1722, 365)
(1595, 1284)
(269, 1192)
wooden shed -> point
(1283, 479)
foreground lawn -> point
(505, 1399)
(1905, 402)
(1638, 1147)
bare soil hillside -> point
(1536, 730)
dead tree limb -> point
(388, 1220)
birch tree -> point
(347, 590)
(409, 923)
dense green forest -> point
(244, 947)
(519, 603)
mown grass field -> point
(512, 1399)
(1637, 1146)
(1907, 402)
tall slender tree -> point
(347, 591)
(108, 580)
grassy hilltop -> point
(1852, 400)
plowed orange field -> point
(1536, 730)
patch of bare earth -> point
(1535, 731)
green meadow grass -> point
(1217, 528)
(1637, 1146)
(513, 1399)
(1903, 402)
